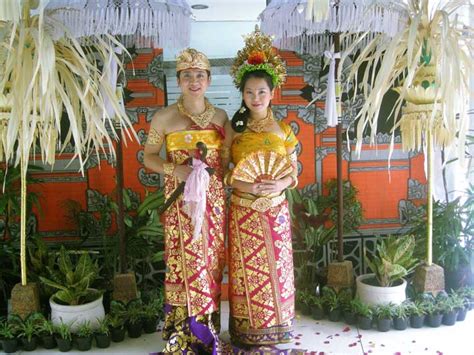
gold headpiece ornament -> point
(258, 54)
(191, 58)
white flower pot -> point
(374, 295)
(76, 315)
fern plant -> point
(393, 259)
(72, 282)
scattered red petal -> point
(297, 337)
(439, 352)
(300, 335)
(297, 343)
(413, 341)
(398, 353)
(426, 349)
(359, 336)
(337, 334)
(346, 329)
(382, 345)
(317, 333)
(327, 342)
(321, 353)
(370, 351)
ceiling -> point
(228, 10)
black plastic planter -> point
(29, 345)
(350, 318)
(462, 312)
(135, 329)
(364, 323)
(10, 345)
(449, 318)
(102, 340)
(149, 325)
(383, 324)
(64, 344)
(84, 343)
(306, 309)
(117, 334)
(48, 341)
(317, 313)
(400, 323)
(334, 315)
(434, 320)
(417, 321)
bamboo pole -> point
(429, 229)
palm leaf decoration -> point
(435, 46)
(40, 78)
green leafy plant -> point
(393, 259)
(46, 328)
(103, 326)
(331, 299)
(63, 331)
(453, 231)
(384, 311)
(7, 330)
(361, 309)
(84, 330)
(135, 311)
(28, 329)
(72, 281)
(416, 308)
(118, 314)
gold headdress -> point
(258, 54)
(191, 58)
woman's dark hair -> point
(240, 119)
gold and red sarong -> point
(261, 280)
(194, 267)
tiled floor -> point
(325, 337)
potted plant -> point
(28, 331)
(63, 336)
(102, 333)
(364, 313)
(74, 302)
(117, 319)
(8, 336)
(392, 261)
(83, 336)
(46, 334)
(303, 299)
(331, 302)
(384, 315)
(345, 300)
(317, 304)
(400, 316)
(450, 306)
(416, 311)
(434, 316)
(152, 309)
(468, 294)
(135, 318)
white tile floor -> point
(325, 337)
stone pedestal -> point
(429, 279)
(25, 299)
(340, 275)
(125, 287)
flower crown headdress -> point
(258, 54)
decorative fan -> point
(262, 165)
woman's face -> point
(257, 95)
(193, 82)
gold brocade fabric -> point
(194, 266)
(187, 139)
(249, 142)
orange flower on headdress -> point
(257, 57)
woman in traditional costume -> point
(194, 223)
(261, 279)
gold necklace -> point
(202, 119)
(258, 126)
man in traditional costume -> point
(194, 222)
(261, 279)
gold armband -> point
(225, 152)
(228, 178)
(168, 168)
(154, 137)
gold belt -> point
(260, 204)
